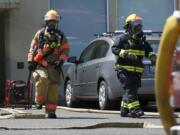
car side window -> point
(87, 53)
(97, 49)
(101, 49)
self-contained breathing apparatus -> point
(51, 46)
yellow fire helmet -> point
(133, 20)
(133, 17)
(52, 15)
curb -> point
(18, 114)
(100, 111)
(23, 115)
(107, 111)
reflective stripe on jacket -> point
(58, 48)
(123, 46)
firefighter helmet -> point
(52, 15)
(133, 19)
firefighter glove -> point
(32, 65)
(121, 76)
(131, 56)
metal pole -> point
(177, 4)
(107, 14)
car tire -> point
(69, 95)
(103, 99)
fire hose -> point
(163, 70)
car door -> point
(80, 71)
(93, 66)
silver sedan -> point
(92, 75)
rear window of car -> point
(101, 49)
(97, 49)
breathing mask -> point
(136, 29)
(51, 27)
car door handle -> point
(98, 66)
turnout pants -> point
(131, 82)
(47, 85)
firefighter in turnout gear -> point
(130, 50)
(48, 51)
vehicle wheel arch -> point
(71, 100)
(98, 84)
(65, 82)
(99, 81)
(108, 103)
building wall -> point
(153, 16)
(20, 27)
(22, 23)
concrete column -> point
(177, 4)
(2, 58)
(113, 19)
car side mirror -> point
(72, 59)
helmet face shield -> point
(136, 28)
(133, 25)
(136, 22)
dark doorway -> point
(2, 57)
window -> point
(87, 53)
(81, 19)
(100, 50)
(95, 50)
(153, 12)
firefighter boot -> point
(52, 115)
(124, 109)
(52, 100)
(136, 113)
(124, 112)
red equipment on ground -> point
(18, 94)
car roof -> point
(150, 36)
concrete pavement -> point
(101, 121)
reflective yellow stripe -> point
(137, 52)
(131, 68)
(133, 104)
(124, 105)
(151, 53)
(139, 69)
(121, 54)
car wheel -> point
(104, 102)
(69, 95)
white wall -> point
(21, 25)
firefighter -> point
(48, 51)
(130, 49)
